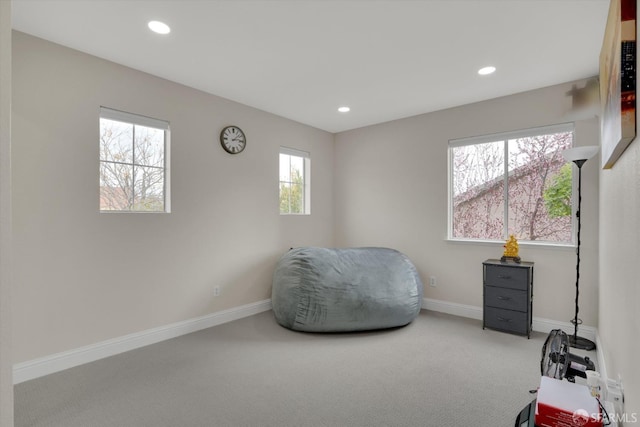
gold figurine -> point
(511, 250)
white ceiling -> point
(302, 59)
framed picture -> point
(618, 81)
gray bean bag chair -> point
(339, 290)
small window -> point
(513, 183)
(134, 164)
(294, 181)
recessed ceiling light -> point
(344, 109)
(159, 27)
(486, 70)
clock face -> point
(232, 139)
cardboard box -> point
(565, 404)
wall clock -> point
(232, 139)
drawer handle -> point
(500, 276)
(501, 298)
(502, 319)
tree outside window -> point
(132, 164)
(294, 185)
(514, 185)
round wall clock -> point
(233, 139)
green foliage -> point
(557, 196)
(292, 194)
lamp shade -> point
(580, 153)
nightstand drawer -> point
(507, 320)
(507, 277)
(510, 299)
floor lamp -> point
(579, 155)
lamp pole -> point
(579, 155)
(574, 340)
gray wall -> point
(619, 325)
(83, 277)
(6, 362)
(391, 190)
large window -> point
(134, 172)
(514, 183)
(295, 197)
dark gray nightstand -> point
(508, 296)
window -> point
(514, 183)
(134, 172)
(294, 181)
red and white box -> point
(565, 404)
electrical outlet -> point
(216, 291)
(615, 394)
(432, 281)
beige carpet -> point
(440, 370)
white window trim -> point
(307, 177)
(505, 136)
(134, 119)
(137, 119)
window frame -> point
(144, 121)
(505, 137)
(306, 175)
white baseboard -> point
(462, 310)
(32, 369)
(36, 368)
(474, 312)
(602, 366)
